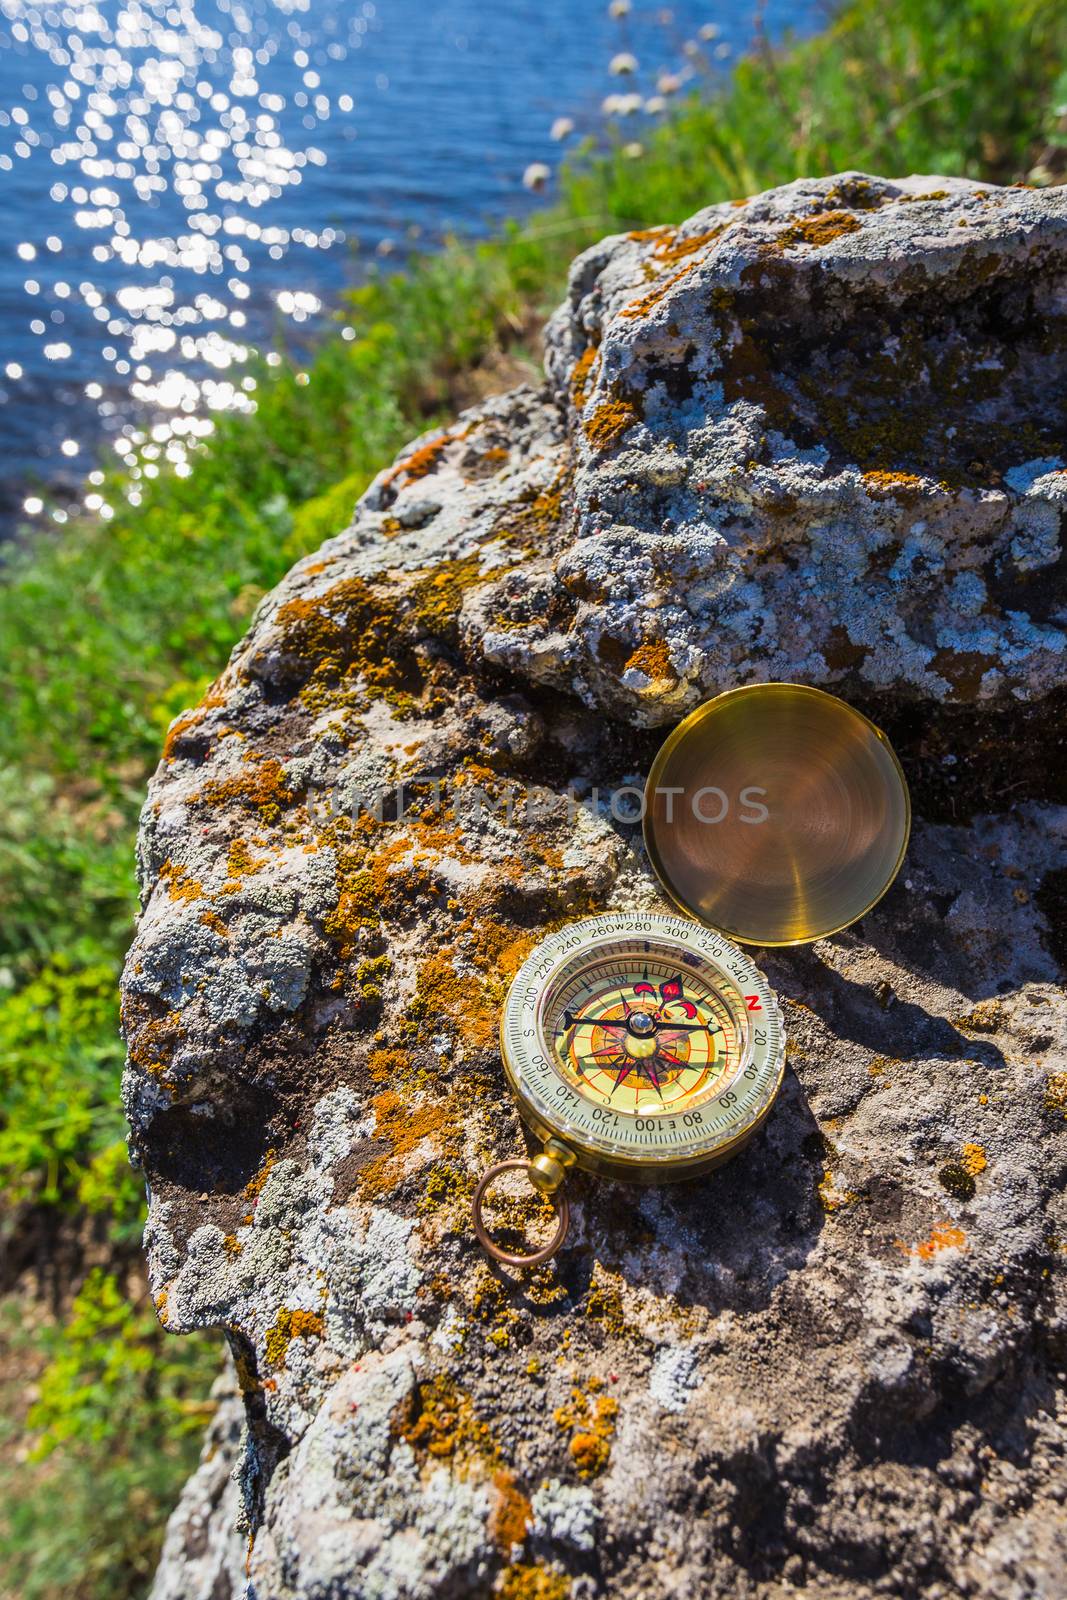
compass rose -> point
(645, 1042)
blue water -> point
(181, 180)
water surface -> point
(182, 178)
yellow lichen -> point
(831, 1198)
(985, 1017)
(239, 859)
(886, 484)
(604, 1301)
(445, 1185)
(438, 1419)
(1056, 1092)
(534, 1582)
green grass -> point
(107, 629)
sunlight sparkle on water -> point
(179, 99)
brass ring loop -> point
(509, 1257)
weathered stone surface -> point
(836, 1365)
(204, 1552)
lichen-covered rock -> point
(810, 437)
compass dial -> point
(643, 1041)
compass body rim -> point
(643, 1167)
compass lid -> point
(776, 813)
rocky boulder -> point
(821, 436)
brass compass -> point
(645, 1045)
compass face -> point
(643, 1041)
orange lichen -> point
(152, 1044)
(880, 484)
(671, 250)
(945, 1236)
(973, 1159)
(470, 1001)
(179, 884)
(653, 659)
(645, 303)
(581, 377)
(442, 993)
(423, 460)
(511, 1514)
(160, 1303)
(590, 1419)
(290, 1324)
(253, 1188)
(609, 422)
(232, 1245)
(818, 230)
(404, 1125)
(263, 787)
(212, 920)
(389, 1066)
(188, 720)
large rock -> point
(813, 437)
